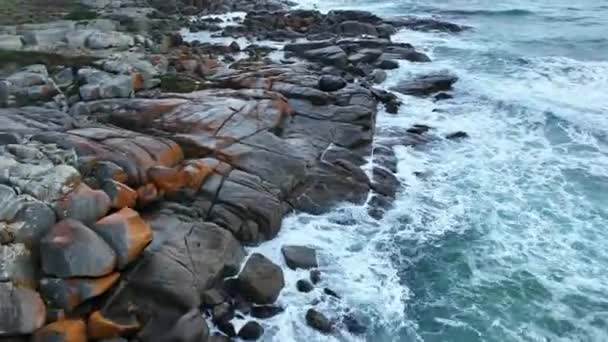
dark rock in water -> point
(339, 16)
(191, 327)
(385, 157)
(331, 293)
(222, 312)
(304, 285)
(443, 96)
(300, 257)
(251, 331)
(377, 206)
(388, 64)
(265, 311)
(430, 24)
(242, 305)
(315, 276)
(261, 280)
(331, 83)
(4, 92)
(227, 328)
(457, 135)
(365, 56)
(234, 47)
(318, 321)
(71, 249)
(406, 53)
(419, 129)
(354, 325)
(426, 84)
(385, 182)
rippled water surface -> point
(505, 238)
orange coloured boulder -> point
(121, 195)
(147, 194)
(126, 232)
(167, 179)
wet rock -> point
(331, 293)
(426, 84)
(21, 310)
(70, 249)
(219, 338)
(18, 266)
(419, 129)
(102, 326)
(191, 327)
(431, 24)
(72, 330)
(443, 96)
(227, 328)
(377, 206)
(251, 331)
(457, 135)
(407, 53)
(300, 257)
(261, 280)
(126, 232)
(354, 325)
(265, 311)
(315, 276)
(331, 83)
(121, 196)
(318, 321)
(304, 285)
(222, 312)
(385, 182)
(385, 157)
(84, 204)
(388, 64)
(69, 293)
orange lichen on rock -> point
(147, 194)
(122, 196)
(102, 327)
(167, 179)
(126, 232)
(72, 330)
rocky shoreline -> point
(135, 166)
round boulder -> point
(251, 331)
(71, 249)
(318, 321)
(304, 285)
(261, 280)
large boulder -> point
(331, 55)
(331, 83)
(104, 40)
(261, 280)
(71, 249)
(318, 321)
(21, 310)
(426, 84)
(126, 232)
(191, 327)
(300, 257)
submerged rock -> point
(304, 285)
(251, 331)
(318, 321)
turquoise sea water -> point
(506, 236)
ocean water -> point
(505, 238)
